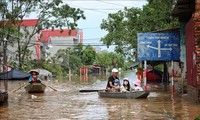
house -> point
(187, 12)
(43, 40)
(58, 39)
(26, 25)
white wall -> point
(61, 43)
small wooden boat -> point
(3, 97)
(35, 88)
(138, 94)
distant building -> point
(44, 40)
(53, 40)
(27, 25)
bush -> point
(197, 118)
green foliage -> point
(197, 118)
(67, 59)
(43, 64)
(73, 58)
(110, 60)
(54, 14)
(123, 26)
(79, 49)
(62, 14)
(159, 67)
(89, 55)
(103, 59)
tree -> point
(52, 15)
(74, 58)
(44, 64)
(110, 60)
(68, 59)
(89, 55)
(123, 26)
(103, 59)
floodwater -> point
(69, 104)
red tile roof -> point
(27, 22)
(46, 34)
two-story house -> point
(53, 40)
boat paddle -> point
(89, 90)
(50, 87)
(19, 87)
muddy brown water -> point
(69, 104)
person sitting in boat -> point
(34, 77)
(137, 85)
(126, 85)
(113, 81)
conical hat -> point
(31, 72)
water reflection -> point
(68, 104)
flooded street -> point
(68, 103)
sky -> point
(97, 10)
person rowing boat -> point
(34, 77)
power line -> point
(90, 28)
(70, 44)
(89, 9)
(82, 44)
(112, 3)
(98, 9)
(104, 9)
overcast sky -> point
(95, 11)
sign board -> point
(158, 46)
